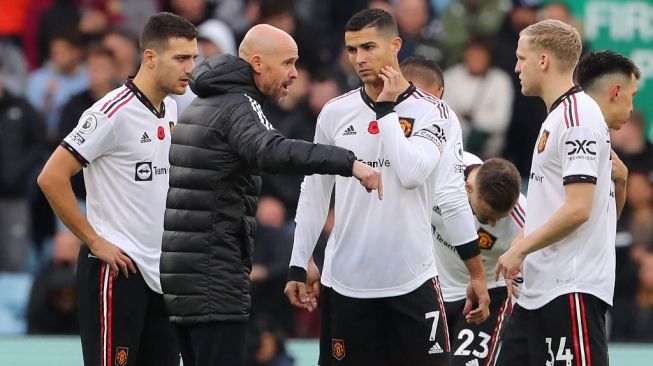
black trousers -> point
(220, 343)
(122, 321)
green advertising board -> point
(624, 26)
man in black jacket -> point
(222, 143)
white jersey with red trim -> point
(573, 146)
(382, 248)
(493, 241)
(123, 143)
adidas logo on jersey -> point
(473, 362)
(145, 138)
(435, 349)
(349, 131)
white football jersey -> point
(379, 248)
(123, 143)
(573, 146)
(493, 241)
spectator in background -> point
(468, 19)
(50, 87)
(631, 145)
(266, 345)
(632, 316)
(60, 16)
(412, 20)
(214, 38)
(52, 305)
(528, 113)
(14, 67)
(22, 148)
(344, 72)
(195, 11)
(293, 119)
(272, 248)
(124, 47)
(481, 95)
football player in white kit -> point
(122, 142)
(567, 250)
(381, 301)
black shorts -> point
(215, 343)
(480, 342)
(568, 331)
(406, 330)
(122, 321)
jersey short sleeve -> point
(578, 149)
(91, 138)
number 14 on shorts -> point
(563, 354)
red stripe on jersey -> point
(120, 105)
(342, 96)
(517, 220)
(101, 293)
(109, 317)
(574, 329)
(588, 355)
(443, 313)
(113, 99)
(564, 102)
(504, 312)
(576, 109)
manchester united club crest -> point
(121, 356)
(406, 125)
(338, 349)
(485, 240)
(542, 143)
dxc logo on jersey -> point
(581, 147)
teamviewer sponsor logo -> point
(143, 171)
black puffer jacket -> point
(220, 145)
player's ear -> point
(469, 186)
(614, 92)
(396, 44)
(544, 62)
(149, 58)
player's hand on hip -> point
(392, 86)
(477, 294)
(298, 295)
(369, 177)
(110, 254)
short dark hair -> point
(600, 63)
(96, 49)
(379, 19)
(498, 183)
(422, 68)
(163, 26)
(69, 35)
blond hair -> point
(561, 39)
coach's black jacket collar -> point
(574, 89)
(224, 74)
(403, 96)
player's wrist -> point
(297, 274)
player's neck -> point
(146, 84)
(556, 86)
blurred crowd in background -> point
(57, 57)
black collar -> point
(574, 89)
(403, 96)
(139, 94)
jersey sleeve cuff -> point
(75, 153)
(578, 178)
(383, 108)
(468, 250)
(296, 274)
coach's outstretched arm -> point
(54, 181)
(417, 156)
(265, 148)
